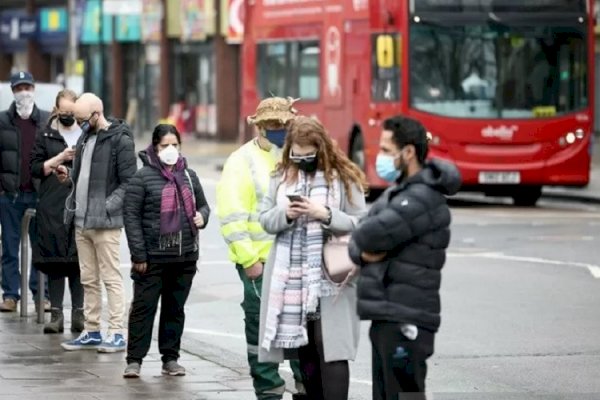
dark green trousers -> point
(268, 384)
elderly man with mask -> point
(105, 160)
(18, 127)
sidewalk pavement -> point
(34, 366)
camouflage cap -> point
(274, 109)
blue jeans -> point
(12, 211)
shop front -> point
(95, 40)
(190, 23)
(16, 27)
(52, 39)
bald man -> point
(104, 162)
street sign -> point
(122, 7)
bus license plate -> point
(499, 178)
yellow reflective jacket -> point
(244, 182)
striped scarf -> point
(298, 282)
(174, 191)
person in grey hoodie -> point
(104, 162)
(401, 248)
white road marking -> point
(215, 333)
(594, 269)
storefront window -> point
(192, 92)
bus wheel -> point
(527, 196)
(357, 151)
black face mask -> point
(66, 120)
(308, 165)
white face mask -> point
(24, 101)
(169, 156)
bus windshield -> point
(487, 71)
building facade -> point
(154, 60)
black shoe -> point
(300, 396)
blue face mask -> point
(276, 136)
(386, 168)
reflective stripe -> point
(252, 348)
(239, 217)
(260, 236)
(236, 237)
(234, 217)
(253, 236)
(254, 174)
(278, 390)
(254, 171)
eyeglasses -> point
(80, 121)
(299, 159)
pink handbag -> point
(338, 267)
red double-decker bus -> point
(505, 87)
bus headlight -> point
(571, 137)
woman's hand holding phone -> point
(294, 208)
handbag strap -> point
(187, 174)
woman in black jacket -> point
(54, 251)
(164, 208)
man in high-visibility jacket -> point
(244, 182)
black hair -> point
(407, 131)
(163, 130)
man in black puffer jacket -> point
(401, 248)
(18, 127)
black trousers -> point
(322, 380)
(171, 283)
(56, 287)
(399, 366)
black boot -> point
(77, 320)
(57, 321)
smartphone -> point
(295, 197)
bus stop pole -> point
(25, 239)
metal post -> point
(73, 55)
(29, 214)
(101, 46)
(41, 311)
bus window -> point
(385, 61)
(289, 69)
(309, 71)
(485, 71)
(272, 61)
